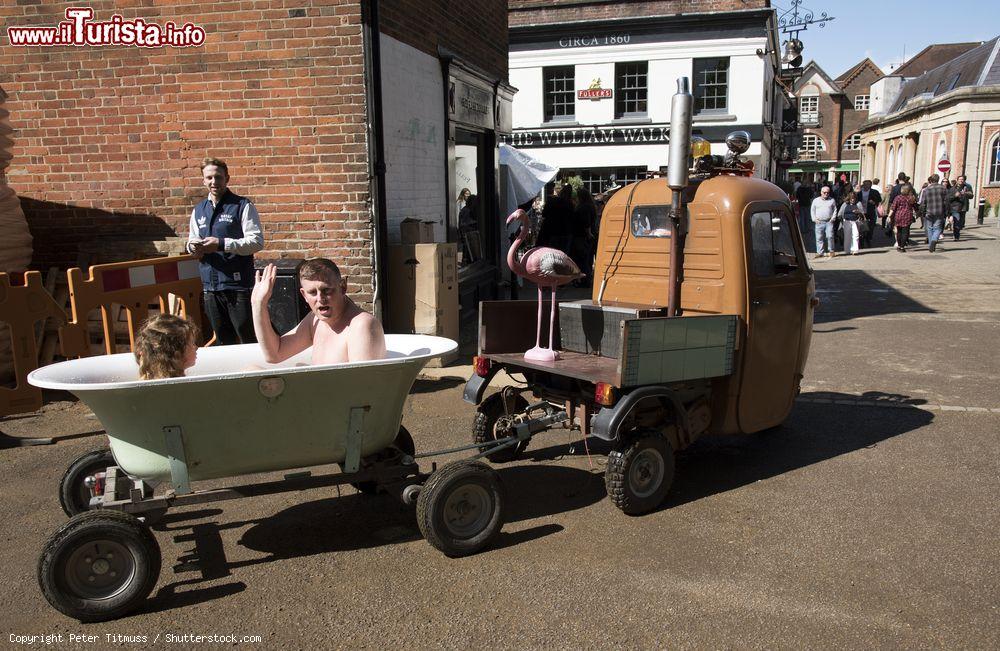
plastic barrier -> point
(21, 306)
(133, 285)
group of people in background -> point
(828, 209)
(568, 220)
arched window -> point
(811, 146)
(995, 160)
(899, 160)
(853, 143)
(942, 150)
(890, 167)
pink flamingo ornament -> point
(546, 268)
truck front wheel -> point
(640, 472)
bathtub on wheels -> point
(223, 421)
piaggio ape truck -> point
(699, 323)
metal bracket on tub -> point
(355, 437)
(178, 461)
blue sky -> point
(882, 30)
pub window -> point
(599, 179)
(711, 85)
(560, 93)
(853, 143)
(631, 89)
(862, 102)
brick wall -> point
(990, 192)
(860, 84)
(109, 139)
(474, 29)
(961, 142)
(544, 12)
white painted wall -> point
(413, 122)
(748, 78)
(667, 62)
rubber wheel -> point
(640, 473)
(404, 443)
(485, 421)
(100, 565)
(74, 496)
(460, 509)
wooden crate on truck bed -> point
(654, 350)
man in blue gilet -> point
(225, 232)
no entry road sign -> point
(944, 165)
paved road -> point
(869, 519)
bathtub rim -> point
(37, 377)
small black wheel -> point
(640, 472)
(403, 443)
(460, 509)
(485, 422)
(74, 496)
(98, 566)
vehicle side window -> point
(773, 251)
(651, 221)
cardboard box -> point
(414, 231)
(423, 291)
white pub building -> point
(594, 96)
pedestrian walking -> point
(822, 212)
(958, 205)
(805, 195)
(852, 217)
(871, 199)
(932, 205)
(901, 215)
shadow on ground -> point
(848, 294)
(351, 522)
(817, 429)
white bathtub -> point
(220, 421)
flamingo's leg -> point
(552, 316)
(538, 321)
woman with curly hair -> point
(166, 347)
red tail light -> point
(604, 394)
(481, 365)
(98, 489)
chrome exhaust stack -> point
(677, 179)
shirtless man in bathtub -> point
(336, 328)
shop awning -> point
(526, 176)
(801, 167)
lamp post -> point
(792, 22)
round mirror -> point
(738, 141)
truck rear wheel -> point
(485, 422)
(640, 472)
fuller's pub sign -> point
(594, 91)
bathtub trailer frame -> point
(104, 562)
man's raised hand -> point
(263, 285)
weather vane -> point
(792, 23)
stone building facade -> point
(949, 113)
